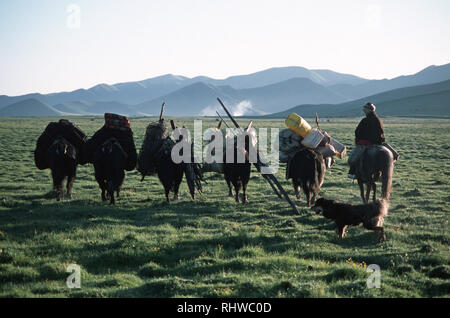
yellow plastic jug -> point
(298, 125)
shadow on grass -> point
(65, 216)
(187, 258)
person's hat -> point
(369, 107)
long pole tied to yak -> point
(260, 163)
(162, 111)
(265, 177)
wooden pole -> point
(317, 122)
(257, 167)
(260, 163)
(162, 111)
(222, 119)
(269, 181)
(220, 124)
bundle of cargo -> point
(300, 134)
(62, 128)
(192, 169)
(117, 122)
(210, 135)
(118, 127)
(288, 144)
(155, 135)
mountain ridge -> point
(414, 100)
(256, 93)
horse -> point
(376, 162)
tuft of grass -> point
(442, 272)
(345, 273)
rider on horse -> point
(369, 132)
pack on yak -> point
(112, 151)
(260, 164)
(61, 148)
(155, 156)
(236, 172)
(307, 152)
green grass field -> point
(213, 247)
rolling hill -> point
(194, 99)
(95, 108)
(133, 93)
(258, 93)
(280, 74)
(200, 98)
(431, 74)
(423, 100)
(29, 107)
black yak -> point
(62, 159)
(307, 170)
(169, 173)
(237, 173)
(109, 163)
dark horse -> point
(376, 162)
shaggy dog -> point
(371, 215)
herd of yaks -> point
(306, 168)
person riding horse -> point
(369, 132)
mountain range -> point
(272, 91)
(420, 101)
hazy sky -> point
(49, 46)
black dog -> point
(371, 215)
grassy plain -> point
(144, 247)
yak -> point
(109, 165)
(62, 158)
(307, 170)
(238, 173)
(169, 173)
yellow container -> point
(298, 125)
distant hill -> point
(194, 99)
(423, 100)
(29, 107)
(200, 98)
(280, 74)
(431, 74)
(93, 108)
(132, 93)
(288, 93)
(258, 93)
(127, 93)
